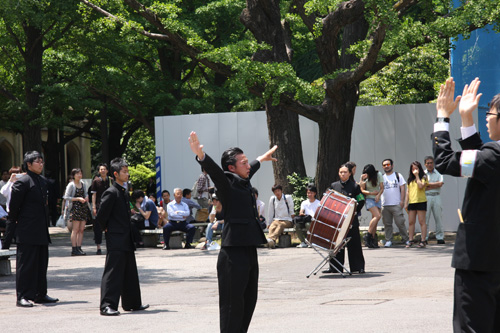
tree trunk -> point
(103, 131)
(334, 146)
(116, 149)
(32, 138)
(283, 129)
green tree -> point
(351, 40)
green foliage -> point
(412, 78)
(141, 149)
(139, 176)
(299, 184)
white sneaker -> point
(388, 244)
(303, 244)
(270, 243)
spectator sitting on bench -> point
(178, 212)
(280, 213)
(307, 210)
(165, 199)
(216, 220)
(186, 198)
(147, 208)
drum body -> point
(332, 221)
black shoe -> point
(79, 249)
(107, 311)
(166, 247)
(361, 271)
(46, 299)
(99, 252)
(142, 307)
(188, 246)
(24, 303)
(441, 241)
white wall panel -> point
(399, 132)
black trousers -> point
(476, 306)
(97, 232)
(31, 271)
(354, 250)
(120, 278)
(238, 275)
(10, 232)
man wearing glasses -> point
(393, 200)
(477, 247)
(28, 209)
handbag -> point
(61, 223)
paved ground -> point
(405, 290)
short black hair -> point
(102, 164)
(117, 164)
(387, 159)
(186, 191)
(165, 191)
(428, 158)
(30, 157)
(495, 103)
(136, 195)
(229, 157)
(312, 188)
(276, 187)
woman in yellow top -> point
(416, 202)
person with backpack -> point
(280, 213)
(393, 199)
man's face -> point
(103, 171)
(493, 124)
(387, 166)
(5, 176)
(122, 176)
(36, 166)
(429, 165)
(188, 196)
(178, 196)
(242, 167)
(311, 195)
(139, 200)
(277, 192)
(166, 197)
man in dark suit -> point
(28, 209)
(120, 277)
(237, 265)
(477, 247)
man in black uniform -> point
(120, 277)
(237, 266)
(477, 247)
(28, 209)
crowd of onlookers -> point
(386, 195)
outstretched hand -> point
(195, 145)
(470, 99)
(267, 156)
(445, 104)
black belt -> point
(177, 221)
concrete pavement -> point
(408, 290)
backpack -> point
(287, 208)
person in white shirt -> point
(280, 213)
(433, 194)
(393, 199)
(307, 210)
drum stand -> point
(326, 259)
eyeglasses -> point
(492, 114)
(386, 164)
(39, 161)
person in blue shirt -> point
(147, 208)
(178, 212)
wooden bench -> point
(151, 237)
(5, 267)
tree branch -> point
(16, 40)
(61, 34)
